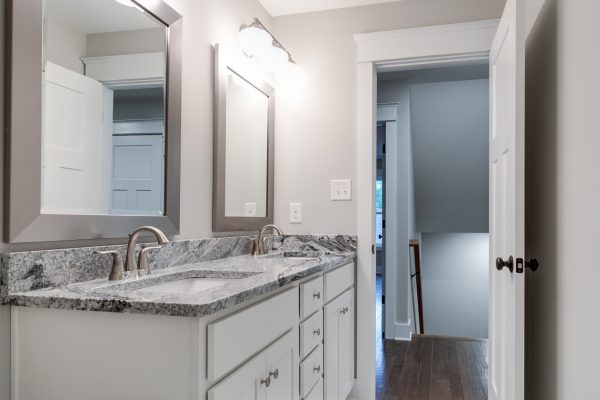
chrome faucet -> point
(130, 264)
(260, 246)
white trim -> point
(463, 39)
(141, 68)
(403, 331)
(416, 47)
(387, 112)
(139, 127)
(14, 353)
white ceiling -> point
(98, 16)
(284, 7)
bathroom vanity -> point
(279, 326)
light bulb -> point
(254, 40)
(289, 72)
(276, 57)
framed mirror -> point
(243, 148)
(93, 118)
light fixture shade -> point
(254, 40)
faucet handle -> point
(143, 257)
(117, 271)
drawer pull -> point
(344, 310)
(317, 332)
(267, 381)
(274, 374)
(317, 369)
(317, 295)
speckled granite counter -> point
(52, 283)
(247, 277)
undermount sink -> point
(291, 255)
(185, 286)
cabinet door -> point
(331, 358)
(281, 360)
(243, 384)
(346, 344)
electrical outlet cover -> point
(250, 209)
(295, 213)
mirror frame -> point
(222, 223)
(23, 221)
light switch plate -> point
(341, 189)
(250, 209)
(295, 213)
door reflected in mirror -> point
(246, 159)
(103, 134)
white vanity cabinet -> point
(268, 376)
(327, 349)
(296, 343)
(339, 358)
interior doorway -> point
(431, 223)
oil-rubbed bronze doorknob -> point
(500, 263)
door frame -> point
(441, 45)
(387, 113)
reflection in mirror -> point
(246, 158)
(103, 137)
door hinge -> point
(384, 148)
(383, 224)
(383, 299)
(372, 249)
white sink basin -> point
(185, 286)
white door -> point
(280, 368)
(331, 361)
(507, 199)
(346, 344)
(138, 174)
(243, 384)
(72, 142)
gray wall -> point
(563, 197)
(321, 110)
(455, 273)
(64, 46)
(450, 144)
(126, 42)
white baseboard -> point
(403, 331)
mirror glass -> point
(246, 158)
(103, 133)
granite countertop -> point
(247, 277)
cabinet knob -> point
(317, 332)
(317, 295)
(344, 310)
(317, 369)
(274, 374)
(266, 382)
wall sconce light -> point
(257, 42)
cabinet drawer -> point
(236, 338)
(317, 392)
(311, 297)
(311, 333)
(311, 370)
(338, 280)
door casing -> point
(442, 45)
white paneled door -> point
(507, 205)
(138, 174)
(73, 163)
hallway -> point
(429, 368)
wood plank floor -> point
(431, 368)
